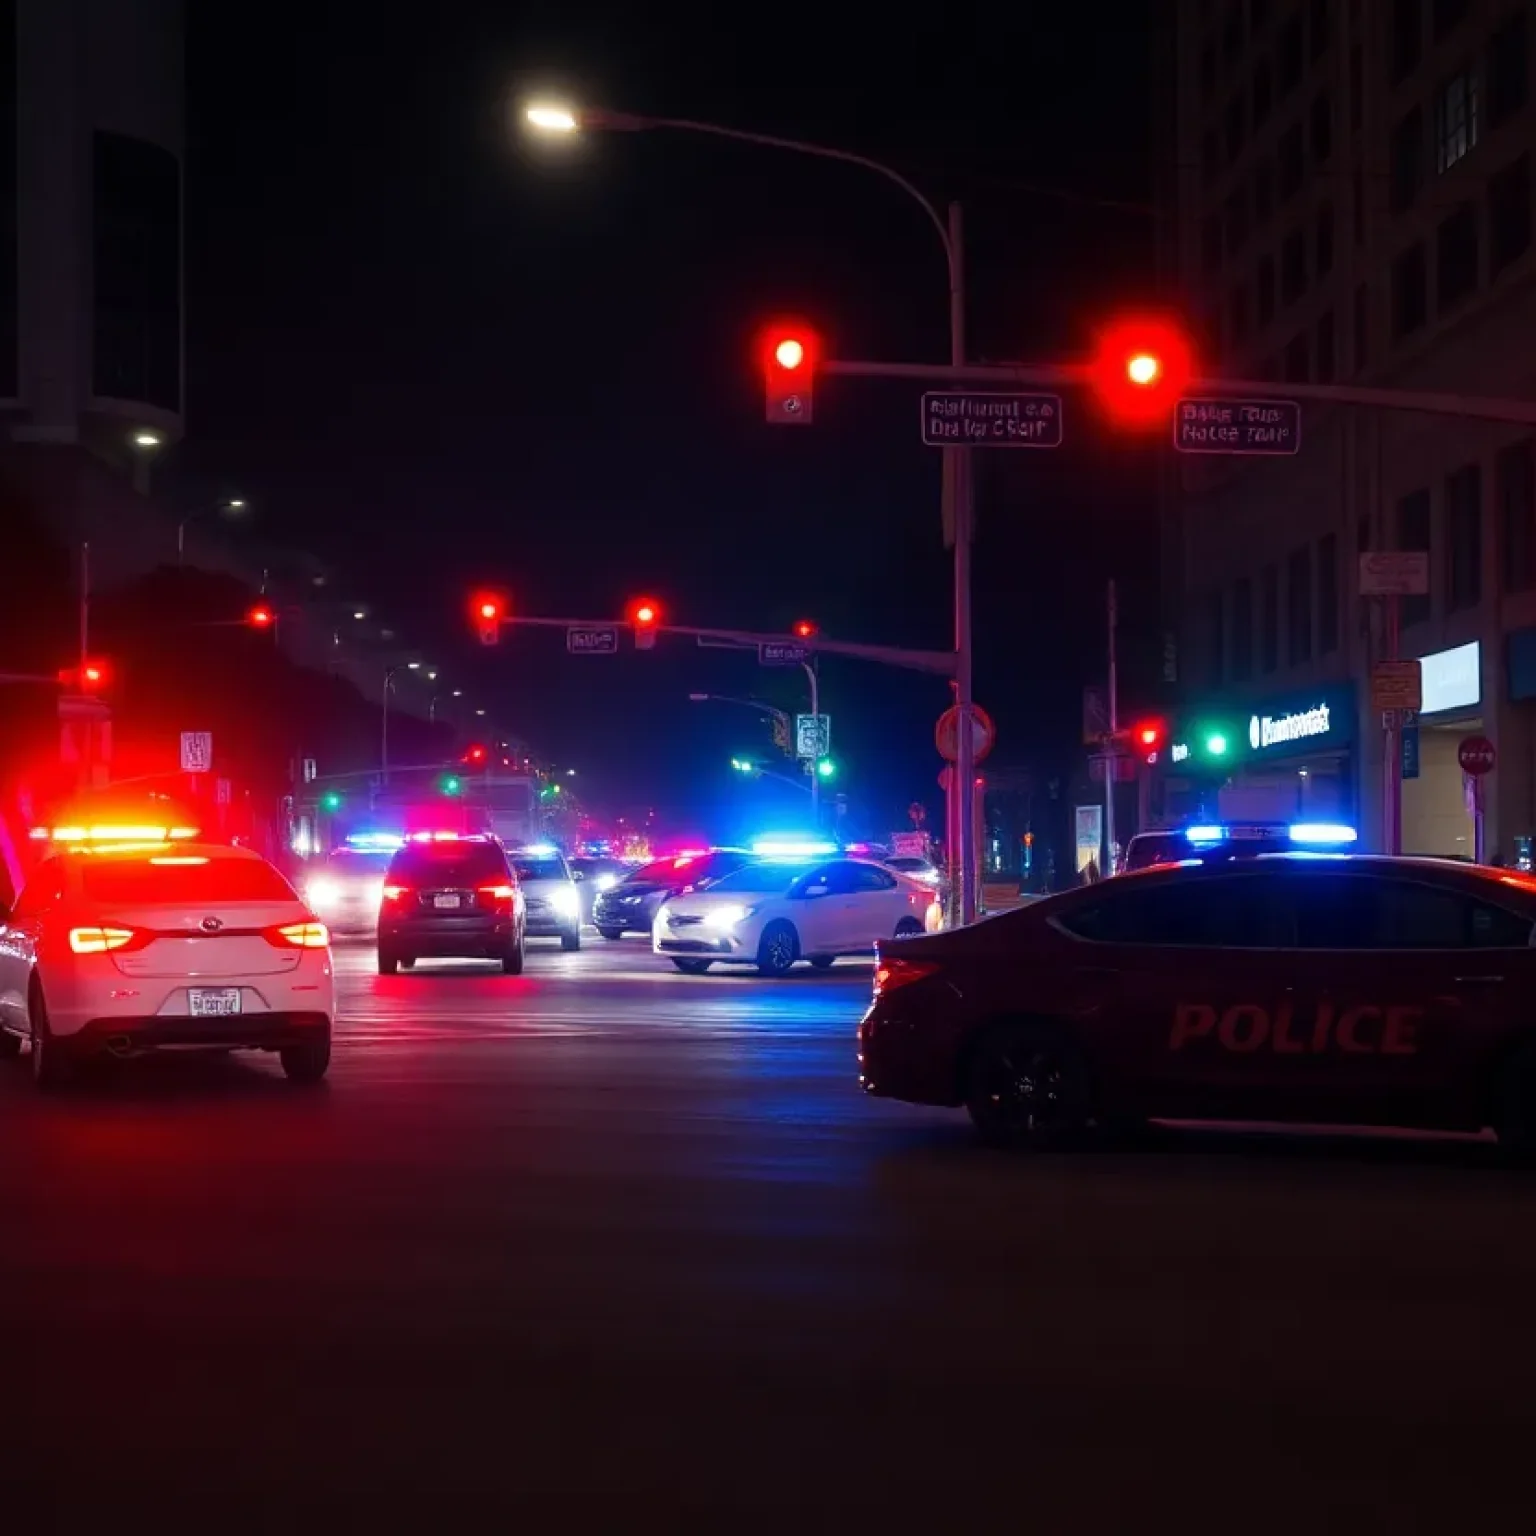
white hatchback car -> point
(120, 951)
(773, 913)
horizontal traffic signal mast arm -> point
(1079, 375)
(940, 662)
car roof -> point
(1449, 872)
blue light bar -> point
(1206, 834)
(541, 850)
(383, 842)
(791, 848)
(1322, 832)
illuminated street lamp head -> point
(413, 666)
(146, 439)
(548, 118)
(1143, 369)
(235, 504)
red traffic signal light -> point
(90, 677)
(489, 611)
(644, 617)
(805, 630)
(260, 617)
(475, 756)
(789, 368)
(1140, 368)
(1147, 736)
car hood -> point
(702, 903)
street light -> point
(552, 117)
(228, 505)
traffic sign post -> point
(1477, 757)
(595, 641)
(813, 736)
(967, 418)
(1262, 428)
(783, 653)
(946, 734)
(1397, 685)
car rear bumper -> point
(897, 1060)
(450, 937)
(253, 1031)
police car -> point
(1293, 986)
(128, 940)
(1224, 840)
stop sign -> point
(1476, 756)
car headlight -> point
(728, 917)
(373, 893)
(565, 901)
(323, 893)
(606, 882)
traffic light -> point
(804, 630)
(452, 784)
(260, 616)
(644, 618)
(331, 801)
(90, 676)
(475, 756)
(745, 765)
(1141, 366)
(826, 768)
(789, 367)
(489, 611)
(1147, 737)
(1216, 743)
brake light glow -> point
(300, 935)
(395, 892)
(892, 973)
(435, 837)
(97, 941)
(499, 892)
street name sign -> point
(971, 419)
(1258, 427)
(592, 642)
(782, 653)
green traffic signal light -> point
(330, 800)
(741, 765)
(453, 784)
(826, 768)
(1216, 744)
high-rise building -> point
(1353, 189)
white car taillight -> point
(300, 935)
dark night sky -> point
(438, 354)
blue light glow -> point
(1206, 834)
(1322, 832)
(791, 848)
(384, 842)
(541, 850)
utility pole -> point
(1112, 753)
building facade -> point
(1354, 205)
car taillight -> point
(299, 935)
(97, 941)
(892, 973)
(395, 892)
(499, 892)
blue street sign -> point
(1410, 752)
(969, 419)
(782, 653)
(1259, 427)
(592, 642)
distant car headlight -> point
(565, 901)
(373, 893)
(728, 917)
(607, 882)
(324, 893)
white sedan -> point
(123, 950)
(773, 913)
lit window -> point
(1456, 120)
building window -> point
(1263, 91)
(1410, 292)
(1317, 29)
(1327, 594)
(1297, 361)
(1464, 538)
(1235, 216)
(1449, 14)
(1263, 193)
(136, 267)
(1362, 327)
(1413, 535)
(1266, 289)
(1455, 120)
(1326, 348)
(1298, 606)
(1456, 256)
(1293, 267)
(1407, 37)
(1515, 487)
(1235, 126)
(1239, 320)
(1210, 245)
(1322, 128)
(1508, 70)
(1325, 240)
(1242, 630)
(1356, 88)
(1509, 214)
(1407, 161)
(1269, 619)
(1288, 58)
(1291, 152)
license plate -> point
(445, 901)
(207, 1004)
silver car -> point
(551, 900)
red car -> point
(1322, 989)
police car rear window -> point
(131, 882)
(453, 863)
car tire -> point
(909, 928)
(823, 962)
(1027, 1085)
(512, 958)
(778, 949)
(52, 1063)
(611, 933)
(10, 1046)
(407, 962)
(691, 967)
(389, 961)
(1516, 1108)
(570, 942)
(309, 1062)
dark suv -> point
(632, 904)
(454, 897)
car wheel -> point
(407, 962)
(570, 941)
(10, 1046)
(512, 960)
(52, 1065)
(691, 967)
(908, 927)
(389, 961)
(309, 1062)
(1027, 1085)
(778, 950)
(611, 933)
(1516, 1124)
(823, 962)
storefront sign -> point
(1283, 730)
(1452, 679)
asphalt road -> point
(605, 1248)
